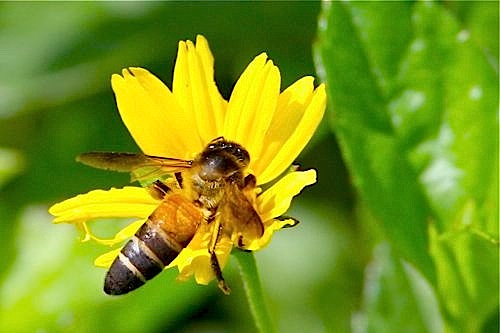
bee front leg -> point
(214, 262)
(159, 189)
(250, 181)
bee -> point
(213, 186)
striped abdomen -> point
(166, 232)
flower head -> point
(273, 127)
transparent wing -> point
(239, 217)
(139, 165)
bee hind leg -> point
(214, 263)
(179, 179)
(221, 283)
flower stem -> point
(253, 289)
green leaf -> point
(467, 279)
(396, 296)
(360, 73)
(414, 103)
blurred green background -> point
(402, 237)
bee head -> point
(222, 159)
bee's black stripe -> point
(121, 279)
(141, 259)
(161, 244)
(146, 266)
(130, 266)
(147, 251)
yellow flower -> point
(273, 127)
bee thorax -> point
(208, 193)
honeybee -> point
(212, 185)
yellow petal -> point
(195, 90)
(292, 104)
(200, 264)
(153, 117)
(276, 200)
(105, 260)
(195, 258)
(121, 235)
(252, 105)
(199, 242)
(269, 228)
(300, 110)
(218, 103)
(125, 202)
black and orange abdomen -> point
(156, 244)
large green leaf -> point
(358, 51)
(414, 104)
(396, 298)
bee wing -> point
(141, 166)
(239, 216)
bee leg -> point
(159, 190)
(241, 244)
(178, 177)
(221, 283)
(250, 181)
(214, 262)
